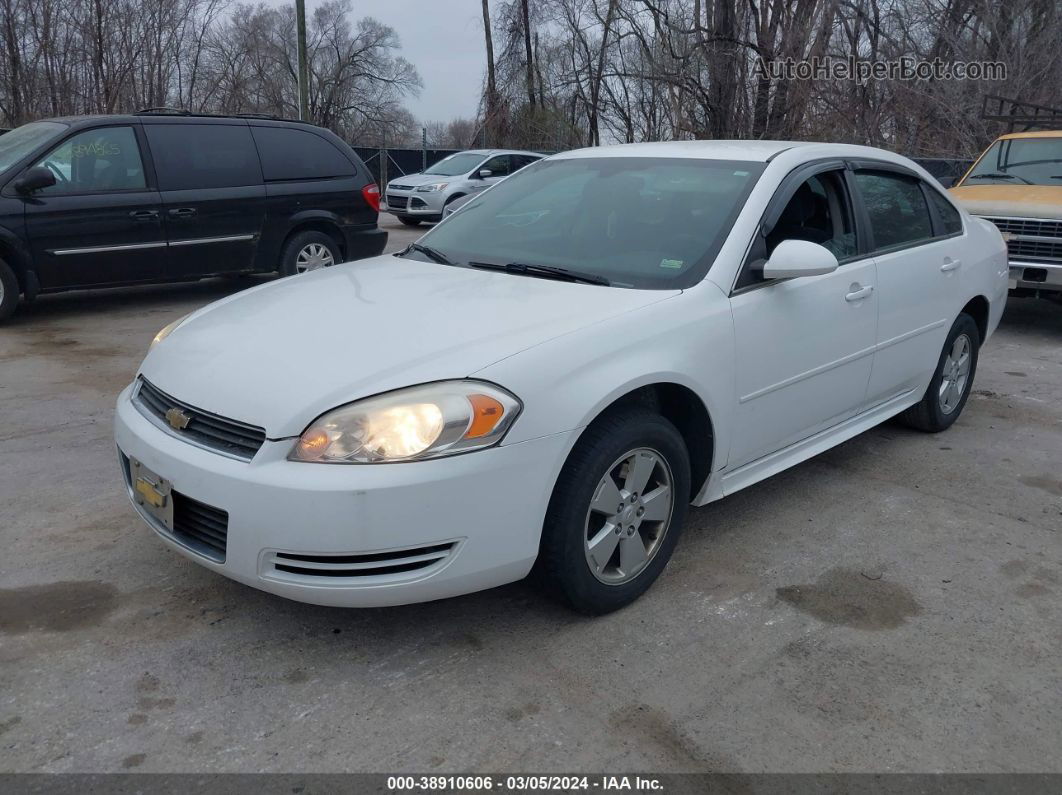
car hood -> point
(1022, 201)
(413, 180)
(279, 355)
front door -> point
(499, 166)
(805, 346)
(101, 222)
(213, 195)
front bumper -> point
(483, 509)
(412, 204)
(1043, 277)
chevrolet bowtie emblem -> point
(177, 419)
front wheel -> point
(616, 512)
(8, 291)
(308, 251)
(952, 381)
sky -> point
(444, 40)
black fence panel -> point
(947, 170)
(399, 161)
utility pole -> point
(304, 72)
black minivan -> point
(99, 201)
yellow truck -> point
(1017, 185)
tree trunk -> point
(491, 100)
(525, 16)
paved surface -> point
(893, 604)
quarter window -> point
(203, 156)
(96, 161)
(946, 213)
(297, 154)
(896, 207)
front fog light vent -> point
(384, 565)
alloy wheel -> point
(629, 515)
(955, 374)
(312, 257)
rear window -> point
(203, 156)
(896, 207)
(289, 154)
(946, 213)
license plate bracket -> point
(152, 493)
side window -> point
(946, 212)
(96, 161)
(203, 156)
(896, 207)
(818, 211)
(519, 161)
(298, 154)
(498, 165)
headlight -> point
(430, 188)
(167, 330)
(409, 424)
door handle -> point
(858, 293)
(144, 215)
(182, 212)
(950, 265)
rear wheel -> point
(309, 251)
(8, 291)
(946, 395)
(616, 512)
(405, 219)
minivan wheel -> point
(405, 219)
(308, 251)
(8, 291)
(616, 512)
(952, 381)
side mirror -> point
(35, 179)
(794, 258)
(485, 172)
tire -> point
(308, 243)
(405, 219)
(564, 567)
(936, 411)
(9, 291)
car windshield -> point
(648, 223)
(1020, 161)
(461, 163)
(22, 140)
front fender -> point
(567, 382)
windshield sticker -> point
(671, 263)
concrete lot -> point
(892, 605)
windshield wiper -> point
(543, 271)
(999, 175)
(433, 254)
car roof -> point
(755, 151)
(486, 152)
(1037, 134)
(179, 118)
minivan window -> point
(18, 143)
(95, 161)
(896, 207)
(946, 212)
(203, 156)
(451, 166)
(653, 223)
(298, 154)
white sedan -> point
(551, 376)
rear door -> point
(101, 222)
(917, 273)
(212, 193)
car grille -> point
(397, 202)
(201, 527)
(203, 428)
(360, 568)
(1031, 239)
(401, 187)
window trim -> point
(146, 164)
(777, 203)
